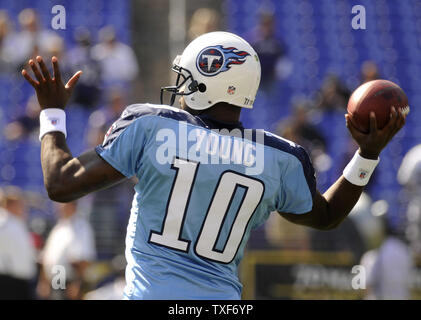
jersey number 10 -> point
(229, 181)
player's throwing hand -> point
(51, 92)
(372, 143)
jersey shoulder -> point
(297, 151)
(140, 110)
(135, 112)
(285, 145)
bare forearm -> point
(67, 178)
(340, 198)
(331, 208)
(55, 156)
(61, 170)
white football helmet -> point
(216, 67)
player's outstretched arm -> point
(66, 178)
(331, 208)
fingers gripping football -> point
(373, 142)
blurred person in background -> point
(390, 267)
(6, 36)
(333, 96)
(17, 253)
(87, 93)
(271, 50)
(27, 125)
(114, 55)
(367, 221)
(32, 39)
(111, 288)
(369, 72)
(114, 105)
(285, 235)
(203, 20)
(299, 129)
(409, 176)
(101, 119)
(346, 237)
(275, 67)
(56, 48)
(71, 245)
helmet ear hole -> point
(202, 87)
(193, 86)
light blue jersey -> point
(197, 198)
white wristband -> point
(50, 120)
(359, 170)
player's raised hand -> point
(373, 142)
(51, 92)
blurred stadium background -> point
(312, 59)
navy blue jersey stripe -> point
(136, 111)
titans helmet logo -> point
(216, 59)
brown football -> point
(377, 96)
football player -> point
(197, 198)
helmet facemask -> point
(179, 89)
